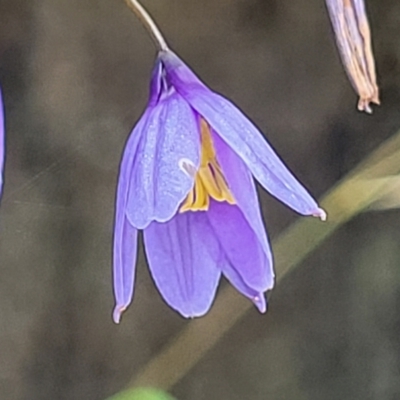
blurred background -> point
(75, 77)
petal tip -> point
(364, 105)
(191, 313)
(117, 314)
(321, 214)
(260, 303)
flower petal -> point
(241, 183)
(237, 281)
(125, 249)
(183, 256)
(179, 72)
(156, 84)
(169, 147)
(241, 246)
(243, 137)
(125, 235)
(2, 143)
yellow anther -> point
(221, 182)
(186, 206)
(209, 179)
(201, 198)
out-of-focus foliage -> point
(142, 394)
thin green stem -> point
(357, 191)
(148, 23)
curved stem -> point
(148, 23)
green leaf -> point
(142, 394)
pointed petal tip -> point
(364, 104)
(321, 214)
(260, 303)
(117, 314)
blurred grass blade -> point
(142, 394)
(356, 192)
(390, 199)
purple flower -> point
(353, 37)
(2, 143)
(186, 180)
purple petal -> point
(241, 184)
(125, 248)
(125, 235)
(159, 88)
(187, 77)
(156, 84)
(2, 143)
(159, 181)
(243, 137)
(241, 246)
(183, 256)
(235, 278)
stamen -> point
(221, 182)
(186, 206)
(210, 184)
(209, 179)
(201, 201)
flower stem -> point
(148, 23)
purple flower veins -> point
(186, 180)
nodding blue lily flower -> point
(353, 37)
(186, 180)
(2, 143)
